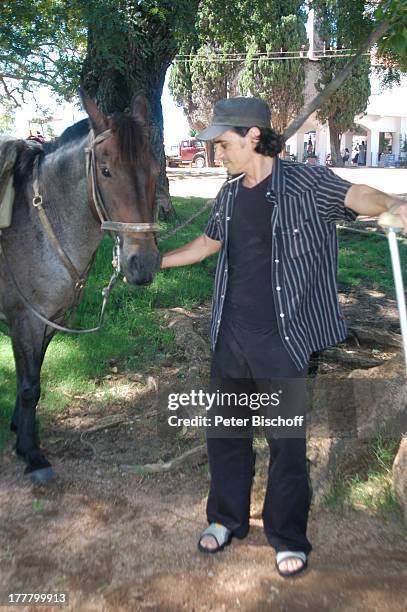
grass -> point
(364, 261)
(131, 335)
(371, 489)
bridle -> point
(107, 224)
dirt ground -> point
(119, 540)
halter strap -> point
(37, 203)
(129, 228)
(107, 224)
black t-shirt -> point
(249, 293)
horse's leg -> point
(16, 414)
(29, 345)
(15, 419)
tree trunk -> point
(335, 139)
(113, 89)
(210, 153)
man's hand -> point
(399, 208)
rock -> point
(194, 347)
(349, 357)
(392, 368)
(344, 415)
(375, 336)
(380, 399)
(330, 457)
(400, 477)
(362, 404)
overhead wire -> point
(268, 57)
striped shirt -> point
(308, 200)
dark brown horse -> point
(101, 173)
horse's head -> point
(126, 173)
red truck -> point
(189, 151)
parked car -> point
(189, 151)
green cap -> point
(237, 112)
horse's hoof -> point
(42, 475)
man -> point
(275, 302)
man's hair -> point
(271, 143)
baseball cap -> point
(237, 112)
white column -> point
(296, 144)
(368, 141)
(374, 148)
(311, 33)
(403, 132)
(299, 143)
(322, 145)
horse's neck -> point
(64, 184)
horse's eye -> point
(105, 172)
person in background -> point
(362, 154)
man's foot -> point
(291, 563)
(214, 538)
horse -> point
(101, 174)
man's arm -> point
(191, 253)
(371, 202)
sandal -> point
(286, 554)
(222, 535)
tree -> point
(42, 42)
(226, 57)
(340, 24)
(276, 27)
(388, 23)
(116, 47)
(204, 73)
(392, 47)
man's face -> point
(236, 152)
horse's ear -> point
(138, 108)
(97, 118)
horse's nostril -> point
(140, 269)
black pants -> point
(252, 358)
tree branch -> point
(320, 98)
(9, 93)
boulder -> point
(399, 474)
(346, 412)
